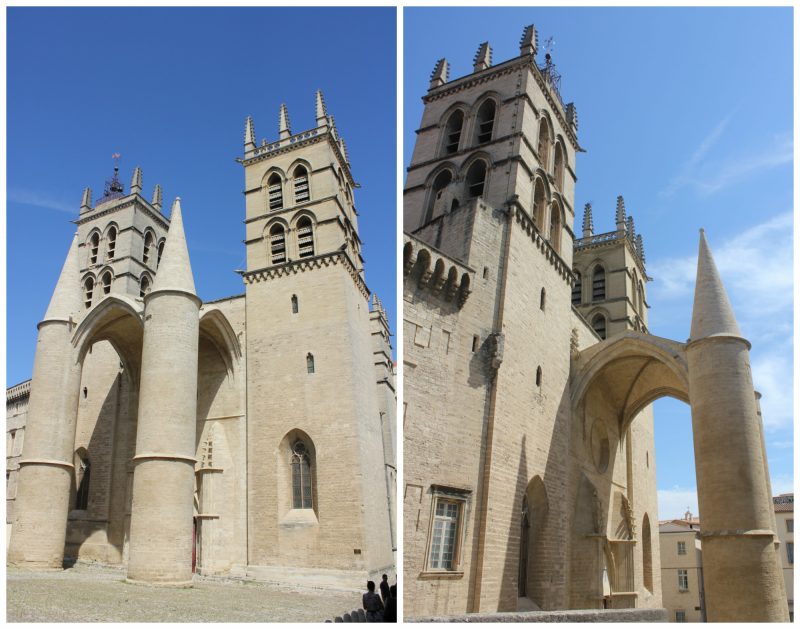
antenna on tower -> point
(113, 188)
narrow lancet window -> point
(301, 477)
(275, 192)
(301, 191)
(599, 326)
(452, 133)
(112, 243)
(295, 305)
(310, 362)
(106, 281)
(305, 237)
(598, 284)
(148, 247)
(485, 122)
(82, 481)
(277, 243)
(94, 246)
(88, 290)
(476, 179)
(576, 290)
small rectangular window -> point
(681, 548)
(790, 552)
(680, 616)
(683, 580)
(448, 519)
(790, 525)
(475, 341)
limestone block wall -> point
(16, 417)
(335, 409)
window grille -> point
(275, 193)
(486, 121)
(112, 242)
(683, 580)
(301, 477)
(445, 527)
(576, 290)
(278, 244)
(148, 245)
(599, 284)
(301, 193)
(599, 326)
(305, 238)
(94, 247)
(88, 289)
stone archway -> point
(711, 373)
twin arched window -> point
(305, 241)
(484, 126)
(301, 187)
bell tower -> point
(315, 442)
(610, 275)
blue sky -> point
(687, 113)
(169, 89)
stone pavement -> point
(90, 593)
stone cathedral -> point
(251, 436)
(529, 369)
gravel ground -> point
(90, 593)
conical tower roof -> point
(66, 299)
(712, 314)
(174, 270)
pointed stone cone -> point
(588, 224)
(440, 74)
(86, 201)
(158, 197)
(483, 58)
(712, 314)
(321, 110)
(136, 181)
(284, 131)
(249, 135)
(66, 299)
(175, 270)
(529, 42)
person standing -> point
(385, 589)
(372, 604)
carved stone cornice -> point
(307, 264)
(131, 200)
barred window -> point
(445, 528)
(301, 191)
(275, 192)
(277, 243)
(301, 477)
(305, 237)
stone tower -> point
(610, 276)
(308, 344)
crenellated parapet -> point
(435, 272)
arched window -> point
(301, 191)
(310, 362)
(112, 243)
(83, 472)
(484, 122)
(647, 554)
(305, 237)
(539, 376)
(275, 192)
(641, 299)
(558, 167)
(148, 246)
(105, 280)
(438, 189)
(555, 228)
(88, 290)
(544, 142)
(599, 325)
(452, 132)
(542, 299)
(539, 204)
(301, 477)
(576, 290)
(160, 252)
(144, 286)
(94, 246)
(277, 244)
(476, 179)
(598, 284)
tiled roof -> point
(783, 503)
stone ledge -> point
(569, 615)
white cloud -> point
(40, 200)
(673, 503)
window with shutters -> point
(111, 247)
(301, 190)
(598, 284)
(277, 244)
(275, 192)
(305, 237)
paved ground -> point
(87, 593)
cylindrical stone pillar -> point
(46, 466)
(740, 569)
(163, 480)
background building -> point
(784, 517)
(682, 569)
